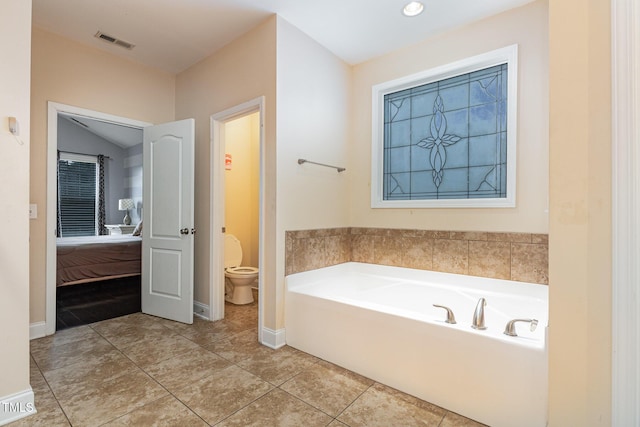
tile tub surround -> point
(521, 257)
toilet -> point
(238, 280)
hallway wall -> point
(15, 44)
(71, 73)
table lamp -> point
(125, 205)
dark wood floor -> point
(91, 302)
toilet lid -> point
(232, 251)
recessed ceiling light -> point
(413, 8)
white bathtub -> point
(379, 321)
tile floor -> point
(92, 302)
(139, 370)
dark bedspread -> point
(93, 258)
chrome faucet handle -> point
(510, 329)
(478, 315)
(450, 317)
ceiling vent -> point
(114, 40)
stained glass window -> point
(448, 139)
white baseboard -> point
(201, 310)
(16, 406)
(273, 339)
(37, 330)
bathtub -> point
(379, 321)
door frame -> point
(625, 310)
(217, 205)
(53, 109)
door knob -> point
(184, 231)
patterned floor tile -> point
(94, 405)
(67, 336)
(277, 366)
(164, 412)
(238, 347)
(72, 352)
(180, 371)
(217, 396)
(455, 420)
(89, 372)
(327, 387)
(163, 348)
(382, 406)
(277, 408)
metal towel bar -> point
(339, 169)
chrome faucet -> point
(450, 317)
(510, 329)
(478, 315)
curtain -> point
(101, 204)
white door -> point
(168, 228)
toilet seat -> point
(240, 271)
(233, 258)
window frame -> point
(507, 55)
(85, 158)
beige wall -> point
(580, 220)
(242, 184)
(314, 104)
(525, 26)
(15, 45)
(314, 87)
(74, 74)
(241, 71)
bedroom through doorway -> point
(94, 268)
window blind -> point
(77, 192)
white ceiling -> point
(172, 35)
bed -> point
(93, 258)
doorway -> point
(54, 111)
(242, 189)
(251, 112)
